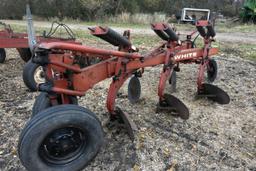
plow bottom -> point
(173, 105)
(122, 120)
(214, 93)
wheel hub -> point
(63, 145)
(39, 75)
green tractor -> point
(249, 11)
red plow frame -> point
(120, 64)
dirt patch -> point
(214, 138)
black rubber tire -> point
(42, 102)
(212, 70)
(31, 147)
(172, 82)
(2, 55)
(28, 75)
(25, 54)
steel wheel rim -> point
(39, 75)
(63, 146)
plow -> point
(19, 41)
(64, 136)
(32, 74)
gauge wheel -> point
(25, 54)
(60, 139)
(33, 75)
(43, 102)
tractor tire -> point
(2, 55)
(33, 75)
(61, 138)
(43, 102)
(172, 82)
(212, 70)
(25, 54)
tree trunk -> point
(118, 6)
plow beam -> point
(87, 49)
(110, 36)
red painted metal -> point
(200, 77)
(113, 90)
(20, 40)
(163, 78)
(167, 71)
(10, 39)
(89, 50)
(160, 26)
(202, 23)
(119, 65)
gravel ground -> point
(215, 137)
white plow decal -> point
(185, 56)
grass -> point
(220, 27)
(223, 27)
(82, 23)
(235, 27)
(137, 39)
(147, 42)
(227, 27)
(143, 20)
(112, 24)
(247, 51)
